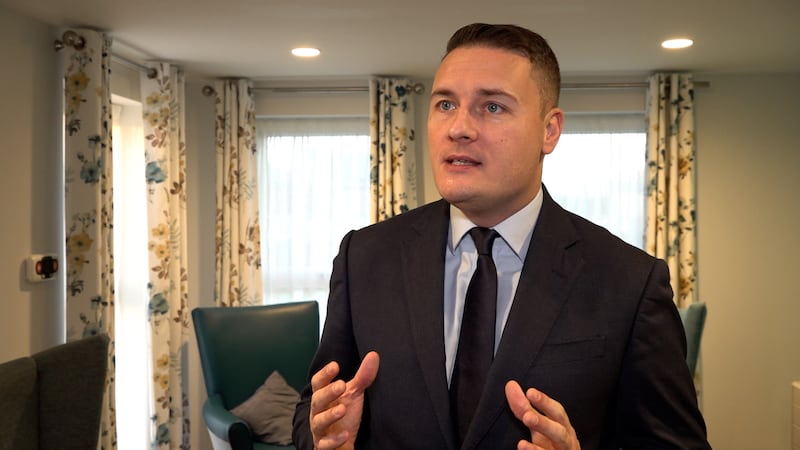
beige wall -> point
(200, 213)
(30, 179)
(748, 130)
(747, 221)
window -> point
(313, 177)
(132, 334)
(597, 171)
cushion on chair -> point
(693, 318)
(241, 346)
(269, 411)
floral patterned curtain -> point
(88, 208)
(165, 171)
(393, 167)
(671, 215)
(238, 254)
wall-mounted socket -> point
(42, 267)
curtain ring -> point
(72, 39)
(417, 88)
(208, 91)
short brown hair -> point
(521, 41)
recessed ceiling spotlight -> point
(305, 52)
(677, 43)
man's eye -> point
(494, 108)
(445, 105)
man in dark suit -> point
(584, 323)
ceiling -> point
(358, 38)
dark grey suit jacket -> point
(592, 325)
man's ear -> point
(553, 124)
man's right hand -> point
(336, 406)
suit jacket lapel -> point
(423, 272)
(550, 265)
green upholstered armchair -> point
(694, 319)
(53, 399)
(239, 348)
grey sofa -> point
(53, 399)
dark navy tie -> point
(476, 340)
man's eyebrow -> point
(442, 93)
(487, 92)
(495, 93)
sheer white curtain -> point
(597, 171)
(133, 387)
(313, 178)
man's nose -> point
(463, 126)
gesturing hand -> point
(336, 406)
(545, 418)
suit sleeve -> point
(657, 402)
(337, 344)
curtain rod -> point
(150, 71)
(71, 38)
(314, 90)
(419, 88)
(631, 85)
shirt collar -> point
(515, 230)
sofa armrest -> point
(225, 425)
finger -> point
(321, 421)
(552, 431)
(366, 373)
(522, 410)
(554, 424)
(324, 392)
(325, 412)
(324, 376)
(332, 442)
(325, 397)
(549, 407)
(517, 401)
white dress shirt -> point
(460, 260)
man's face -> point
(487, 133)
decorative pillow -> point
(269, 410)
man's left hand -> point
(545, 418)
